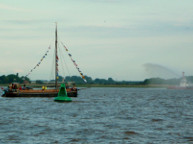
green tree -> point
(39, 82)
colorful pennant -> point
(74, 62)
(39, 62)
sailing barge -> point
(71, 92)
(18, 92)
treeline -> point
(110, 81)
(13, 78)
(79, 80)
(160, 81)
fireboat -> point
(183, 84)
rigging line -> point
(37, 65)
(52, 67)
(63, 71)
(63, 60)
(80, 72)
(49, 77)
(52, 64)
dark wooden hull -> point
(37, 94)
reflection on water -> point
(100, 115)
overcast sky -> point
(122, 39)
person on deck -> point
(20, 88)
(24, 87)
(43, 88)
(67, 86)
(74, 88)
(10, 87)
(15, 86)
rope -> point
(52, 67)
(63, 60)
(37, 65)
(80, 72)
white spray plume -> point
(155, 70)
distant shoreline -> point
(97, 85)
(126, 86)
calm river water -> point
(100, 115)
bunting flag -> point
(74, 62)
(39, 62)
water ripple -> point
(100, 115)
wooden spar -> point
(56, 66)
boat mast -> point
(56, 57)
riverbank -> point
(96, 85)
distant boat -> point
(183, 84)
(16, 91)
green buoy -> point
(62, 95)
